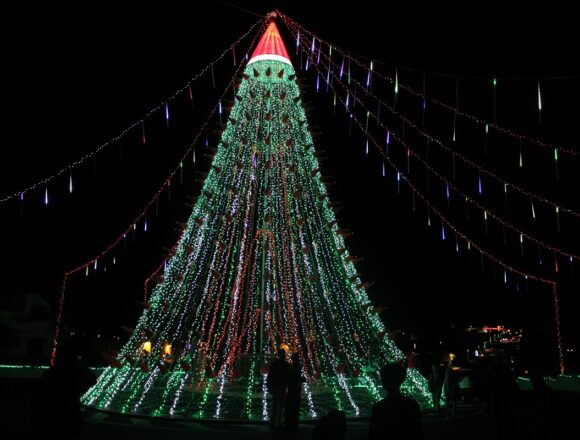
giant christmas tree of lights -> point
(261, 264)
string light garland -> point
(480, 169)
(475, 119)
(450, 185)
(58, 321)
(470, 242)
(141, 122)
(558, 328)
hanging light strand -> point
(167, 182)
(140, 122)
(464, 159)
(451, 108)
(438, 213)
(558, 328)
(450, 185)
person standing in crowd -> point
(56, 409)
(395, 416)
(451, 388)
(295, 381)
(277, 382)
(505, 395)
(436, 382)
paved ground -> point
(471, 422)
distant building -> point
(26, 327)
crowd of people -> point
(396, 415)
(285, 385)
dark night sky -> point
(73, 78)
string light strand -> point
(435, 211)
(501, 180)
(449, 183)
(140, 123)
(451, 108)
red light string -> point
(504, 182)
(397, 84)
(153, 274)
(140, 122)
(58, 321)
(449, 183)
(132, 226)
(156, 271)
(558, 332)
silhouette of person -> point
(295, 381)
(540, 406)
(57, 410)
(395, 416)
(330, 426)
(277, 382)
(504, 395)
(451, 389)
(436, 383)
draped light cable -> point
(397, 84)
(456, 154)
(449, 182)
